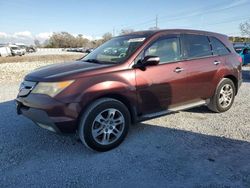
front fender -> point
(105, 88)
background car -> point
(22, 47)
(15, 50)
(31, 49)
(238, 47)
(89, 50)
(245, 55)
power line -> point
(196, 12)
(228, 21)
(202, 11)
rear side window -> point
(196, 46)
(218, 47)
(167, 49)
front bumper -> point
(49, 113)
(17, 53)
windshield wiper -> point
(93, 61)
(98, 62)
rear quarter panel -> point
(231, 64)
(231, 68)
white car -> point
(15, 50)
(22, 47)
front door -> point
(162, 85)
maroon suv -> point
(132, 78)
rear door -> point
(202, 66)
(162, 85)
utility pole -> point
(113, 31)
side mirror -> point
(151, 60)
(147, 61)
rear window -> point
(196, 46)
(218, 47)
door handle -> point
(178, 69)
(217, 62)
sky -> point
(26, 20)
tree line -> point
(239, 39)
(66, 40)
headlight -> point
(51, 88)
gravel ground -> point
(192, 148)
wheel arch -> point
(235, 81)
(131, 108)
(123, 99)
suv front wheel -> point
(223, 97)
(104, 124)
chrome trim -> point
(177, 70)
(174, 109)
(217, 62)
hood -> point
(63, 71)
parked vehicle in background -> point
(15, 50)
(160, 72)
(5, 51)
(245, 55)
(31, 49)
(89, 50)
(22, 47)
(72, 50)
(239, 49)
(240, 46)
(243, 49)
(82, 50)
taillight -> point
(240, 59)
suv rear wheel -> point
(104, 124)
(223, 97)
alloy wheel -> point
(226, 95)
(108, 126)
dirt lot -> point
(192, 148)
(61, 57)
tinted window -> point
(218, 47)
(196, 46)
(167, 49)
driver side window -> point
(168, 49)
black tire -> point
(88, 122)
(215, 105)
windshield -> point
(115, 50)
(14, 48)
(21, 46)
